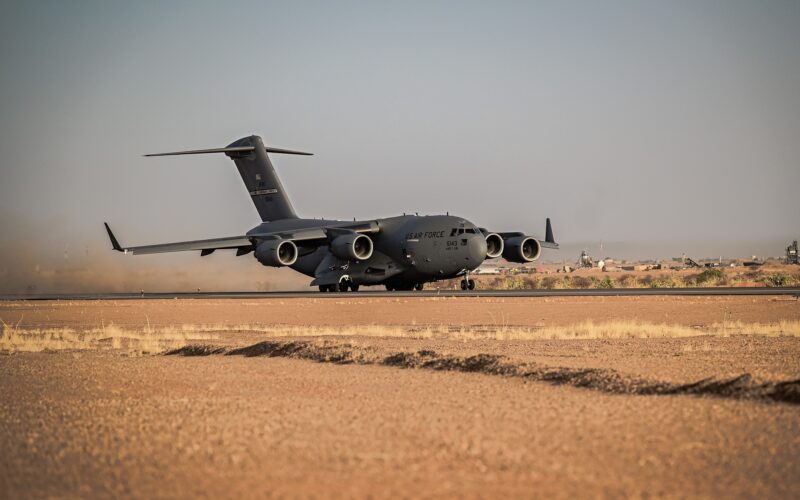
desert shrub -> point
(514, 283)
(552, 282)
(690, 280)
(627, 281)
(581, 282)
(548, 283)
(777, 279)
(666, 281)
(711, 277)
(603, 283)
(533, 282)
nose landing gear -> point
(466, 283)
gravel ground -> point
(355, 416)
(529, 311)
(102, 424)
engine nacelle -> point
(352, 246)
(522, 249)
(494, 246)
(276, 253)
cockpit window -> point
(471, 230)
(453, 232)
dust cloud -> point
(75, 264)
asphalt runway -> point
(592, 292)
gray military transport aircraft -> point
(401, 253)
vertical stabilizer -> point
(261, 180)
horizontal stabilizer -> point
(286, 151)
(237, 149)
(243, 149)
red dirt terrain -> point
(248, 414)
(530, 311)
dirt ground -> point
(525, 311)
(357, 416)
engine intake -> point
(494, 246)
(352, 246)
(522, 249)
(276, 253)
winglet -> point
(114, 243)
(549, 240)
(548, 234)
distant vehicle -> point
(792, 254)
(401, 253)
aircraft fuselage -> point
(408, 250)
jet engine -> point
(522, 249)
(494, 246)
(276, 253)
(352, 246)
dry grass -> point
(771, 276)
(584, 330)
(155, 340)
(146, 341)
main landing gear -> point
(343, 286)
(404, 287)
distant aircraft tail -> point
(259, 176)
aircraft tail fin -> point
(259, 176)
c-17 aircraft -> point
(401, 253)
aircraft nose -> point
(476, 250)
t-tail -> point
(259, 176)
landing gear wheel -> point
(463, 284)
(354, 288)
(389, 288)
(343, 286)
(471, 284)
(418, 287)
(323, 288)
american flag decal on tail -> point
(263, 191)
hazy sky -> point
(674, 125)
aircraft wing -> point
(247, 243)
(205, 246)
(547, 242)
(543, 242)
(321, 233)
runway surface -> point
(593, 292)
